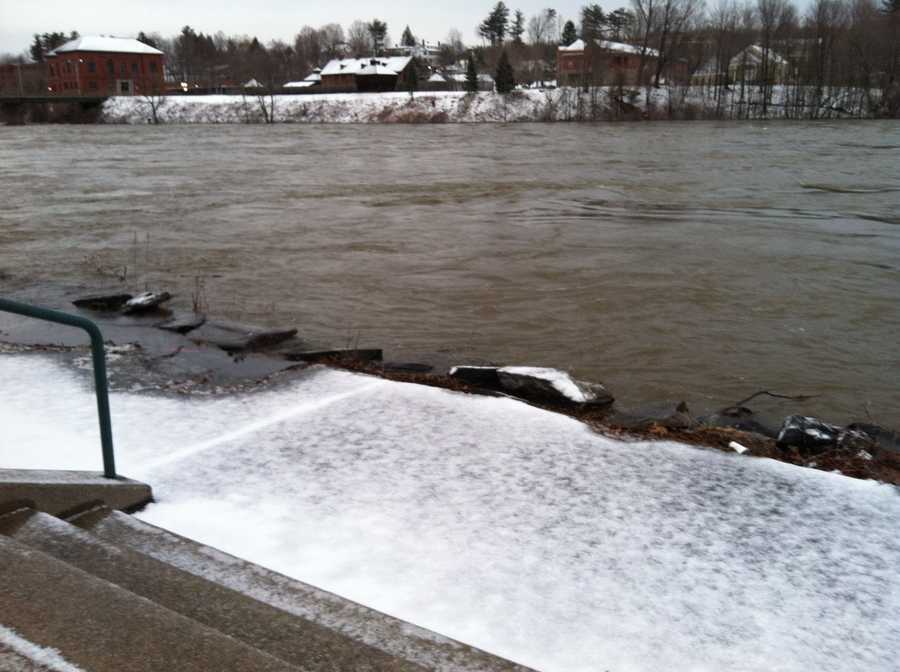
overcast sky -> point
(266, 19)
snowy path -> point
(513, 529)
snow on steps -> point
(93, 623)
(360, 623)
(144, 562)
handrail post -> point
(98, 355)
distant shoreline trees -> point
(733, 49)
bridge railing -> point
(101, 386)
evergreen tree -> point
(619, 22)
(569, 34)
(36, 50)
(494, 27)
(471, 75)
(47, 42)
(408, 39)
(146, 39)
(518, 28)
(505, 80)
(592, 22)
(378, 30)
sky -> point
(265, 19)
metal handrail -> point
(101, 386)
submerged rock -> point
(146, 302)
(184, 324)
(236, 338)
(669, 415)
(110, 302)
(741, 418)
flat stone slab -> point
(238, 337)
(57, 491)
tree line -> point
(827, 45)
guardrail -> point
(101, 386)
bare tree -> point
(675, 17)
(645, 12)
(359, 39)
(542, 27)
(774, 18)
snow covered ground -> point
(510, 528)
(564, 104)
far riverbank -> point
(526, 105)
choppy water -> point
(696, 261)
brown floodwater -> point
(696, 261)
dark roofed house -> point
(366, 74)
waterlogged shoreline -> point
(530, 105)
(187, 354)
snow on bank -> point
(564, 104)
(499, 524)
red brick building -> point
(607, 63)
(105, 66)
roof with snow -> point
(303, 84)
(390, 65)
(119, 45)
(609, 45)
(461, 78)
(753, 55)
(436, 77)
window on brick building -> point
(92, 66)
(110, 67)
(134, 68)
(152, 66)
(92, 84)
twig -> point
(797, 397)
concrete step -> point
(294, 640)
(56, 492)
(101, 627)
(340, 615)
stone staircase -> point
(110, 592)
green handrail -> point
(99, 356)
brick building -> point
(105, 66)
(605, 63)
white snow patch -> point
(561, 381)
(47, 657)
(507, 527)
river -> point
(697, 261)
